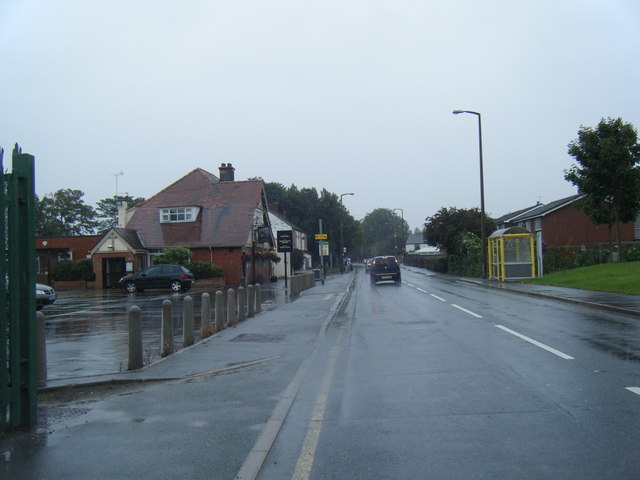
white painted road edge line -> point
(635, 390)
(536, 343)
(466, 311)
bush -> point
(467, 260)
(557, 259)
(630, 253)
(435, 263)
(73, 271)
(205, 270)
(174, 255)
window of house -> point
(637, 228)
(178, 214)
(65, 255)
(152, 254)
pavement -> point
(181, 363)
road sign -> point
(321, 236)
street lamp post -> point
(483, 234)
(341, 256)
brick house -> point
(222, 221)
(561, 224)
(51, 250)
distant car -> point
(385, 269)
(367, 265)
(174, 277)
(45, 295)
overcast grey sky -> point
(350, 95)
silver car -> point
(45, 295)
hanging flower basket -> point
(268, 256)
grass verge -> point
(608, 277)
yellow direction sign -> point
(321, 236)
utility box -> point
(511, 254)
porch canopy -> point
(511, 254)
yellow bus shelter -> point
(511, 254)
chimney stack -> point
(226, 173)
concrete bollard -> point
(167, 328)
(135, 339)
(251, 301)
(258, 298)
(187, 322)
(242, 302)
(231, 308)
(219, 300)
(41, 350)
(205, 316)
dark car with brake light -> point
(385, 269)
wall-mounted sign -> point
(285, 241)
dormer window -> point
(178, 214)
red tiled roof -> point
(225, 217)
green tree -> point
(64, 213)
(448, 224)
(305, 207)
(384, 232)
(107, 210)
(608, 172)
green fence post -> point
(22, 301)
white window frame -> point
(178, 214)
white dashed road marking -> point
(536, 343)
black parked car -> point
(175, 277)
(384, 269)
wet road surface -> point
(440, 380)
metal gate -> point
(18, 383)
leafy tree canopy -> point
(448, 224)
(384, 232)
(607, 172)
(305, 207)
(64, 213)
(107, 210)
